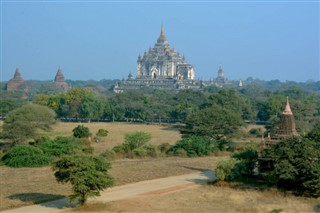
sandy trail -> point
(143, 188)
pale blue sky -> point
(102, 39)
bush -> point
(59, 146)
(164, 147)
(102, 133)
(88, 150)
(224, 170)
(121, 148)
(197, 146)
(81, 132)
(26, 156)
(152, 150)
(180, 152)
(256, 131)
(136, 139)
(247, 162)
(109, 154)
(140, 152)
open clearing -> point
(26, 186)
(210, 199)
(160, 133)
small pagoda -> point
(59, 80)
(287, 127)
(17, 83)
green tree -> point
(246, 162)
(314, 134)
(213, 122)
(22, 123)
(7, 105)
(88, 175)
(136, 139)
(233, 101)
(296, 165)
(81, 132)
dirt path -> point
(143, 188)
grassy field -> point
(211, 199)
(25, 186)
(160, 134)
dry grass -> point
(160, 134)
(211, 199)
(24, 186)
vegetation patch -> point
(88, 175)
(26, 156)
(198, 146)
(81, 132)
(60, 146)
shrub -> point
(88, 150)
(197, 146)
(26, 156)
(109, 154)
(136, 139)
(121, 148)
(152, 150)
(140, 152)
(224, 170)
(164, 147)
(247, 162)
(180, 152)
(256, 131)
(59, 146)
(102, 133)
(81, 132)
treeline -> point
(248, 104)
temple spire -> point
(287, 109)
(17, 74)
(162, 38)
(162, 31)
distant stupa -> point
(287, 127)
(59, 80)
(17, 83)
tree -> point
(136, 139)
(314, 134)
(296, 165)
(81, 132)
(246, 162)
(213, 122)
(7, 105)
(232, 101)
(22, 123)
(88, 175)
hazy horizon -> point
(102, 39)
